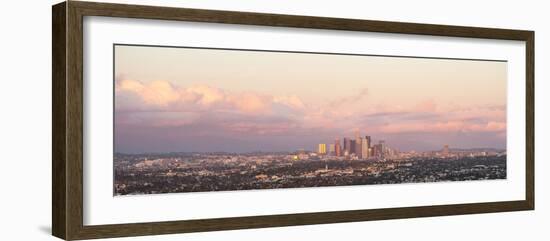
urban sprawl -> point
(355, 161)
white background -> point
(101, 208)
(25, 127)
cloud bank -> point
(159, 116)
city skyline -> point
(338, 147)
(170, 100)
(315, 149)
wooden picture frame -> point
(67, 124)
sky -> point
(210, 100)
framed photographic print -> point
(171, 120)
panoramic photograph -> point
(190, 119)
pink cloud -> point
(250, 102)
(291, 101)
(163, 96)
(442, 127)
(261, 114)
(202, 95)
(158, 93)
(426, 106)
(260, 128)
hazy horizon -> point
(294, 151)
(205, 100)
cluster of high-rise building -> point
(360, 147)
